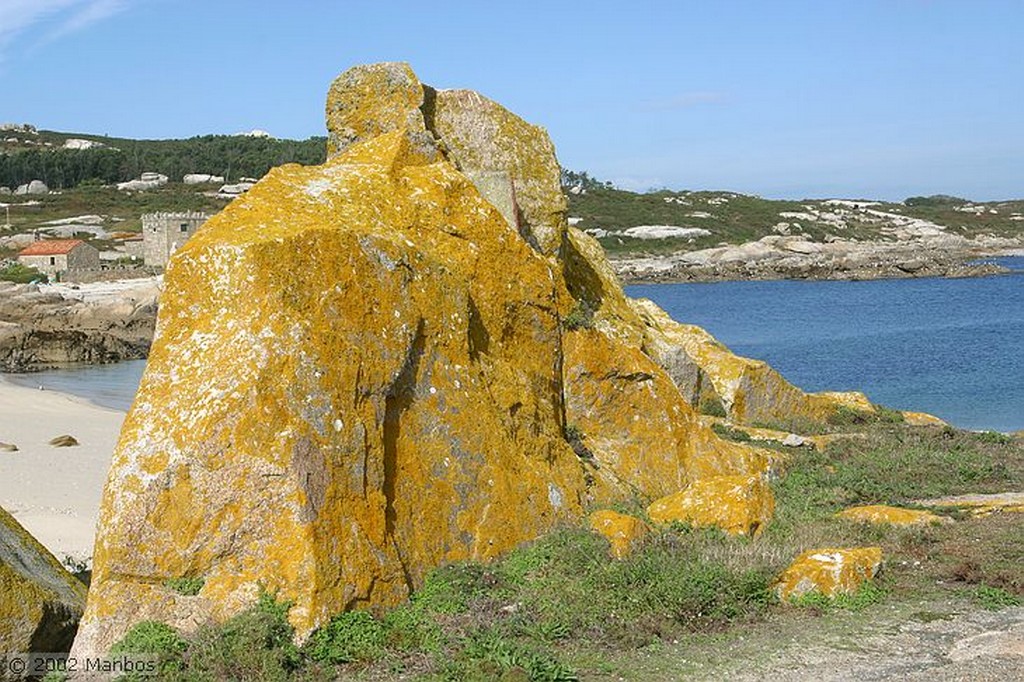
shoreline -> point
(55, 492)
(775, 259)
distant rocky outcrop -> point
(148, 180)
(401, 358)
(201, 178)
(40, 602)
(34, 187)
(901, 255)
(40, 329)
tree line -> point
(230, 156)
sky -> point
(880, 99)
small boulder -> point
(829, 572)
(40, 602)
(740, 505)
(621, 530)
(793, 441)
(64, 441)
(893, 516)
(922, 419)
(8, 447)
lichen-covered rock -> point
(40, 602)
(922, 419)
(741, 505)
(750, 390)
(363, 370)
(892, 516)
(980, 504)
(481, 137)
(829, 572)
(622, 531)
(372, 99)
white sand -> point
(55, 492)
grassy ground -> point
(560, 609)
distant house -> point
(164, 233)
(58, 256)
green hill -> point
(732, 218)
(42, 155)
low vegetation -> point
(560, 609)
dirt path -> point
(923, 642)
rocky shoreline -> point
(777, 257)
(43, 327)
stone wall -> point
(165, 233)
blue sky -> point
(853, 98)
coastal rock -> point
(750, 390)
(482, 138)
(829, 572)
(922, 419)
(40, 602)
(622, 531)
(372, 99)
(64, 441)
(892, 516)
(44, 330)
(741, 505)
(364, 369)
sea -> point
(950, 347)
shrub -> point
(254, 645)
(21, 274)
(581, 317)
(995, 598)
(156, 639)
(352, 636)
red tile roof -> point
(51, 247)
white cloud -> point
(57, 18)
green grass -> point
(559, 608)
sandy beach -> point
(55, 492)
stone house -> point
(164, 233)
(55, 257)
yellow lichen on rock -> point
(363, 370)
(622, 531)
(750, 390)
(372, 99)
(893, 516)
(922, 419)
(40, 602)
(482, 137)
(741, 505)
(829, 572)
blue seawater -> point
(951, 347)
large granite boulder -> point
(40, 602)
(365, 369)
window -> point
(53, 260)
(184, 227)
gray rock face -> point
(40, 603)
(44, 330)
